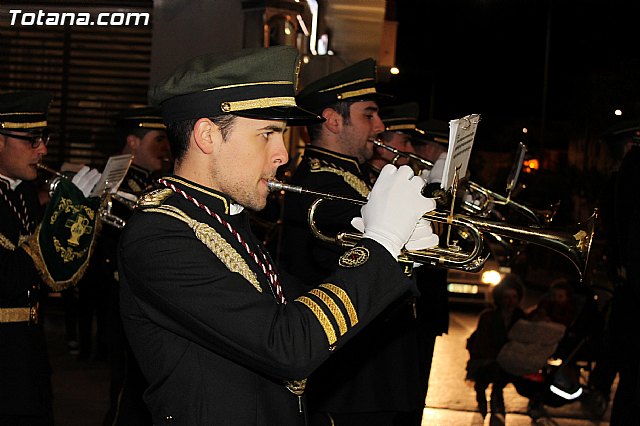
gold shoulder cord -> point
(350, 179)
(6, 243)
(214, 241)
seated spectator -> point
(485, 343)
(558, 306)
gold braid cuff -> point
(333, 308)
(344, 297)
(322, 318)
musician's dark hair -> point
(179, 132)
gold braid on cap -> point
(354, 93)
(283, 101)
(8, 125)
(152, 126)
(401, 127)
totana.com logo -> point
(42, 18)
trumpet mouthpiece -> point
(50, 170)
(275, 185)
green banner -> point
(64, 240)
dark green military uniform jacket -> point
(214, 342)
(380, 370)
(25, 387)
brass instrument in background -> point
(414, 159)
(574, 244)
(106, 216)
(487, 199)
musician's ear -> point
(333, 119)
(133, 142)
(205, 135)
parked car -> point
(476, 287)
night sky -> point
(488, 57)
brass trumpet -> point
(490, 198)
(574, 244)
(106, 216)
(422, 162)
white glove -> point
(421, 238)
(424, 174)
(395, 205)
(435, 175)
(86, 179)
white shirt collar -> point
(13, 183)
(235, 209)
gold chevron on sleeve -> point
(333, 308)
(322, 318)
(344, 297)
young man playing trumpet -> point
(33, 252)
(375, 379)
(399, 127)
(220, 335)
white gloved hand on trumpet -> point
(394, 208)
(85, 179)
(421, 238)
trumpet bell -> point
(573, 243)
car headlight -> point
(491, 276)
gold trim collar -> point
(333, 154)
(224, 200)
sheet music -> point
(112, 175)
(462, 132)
